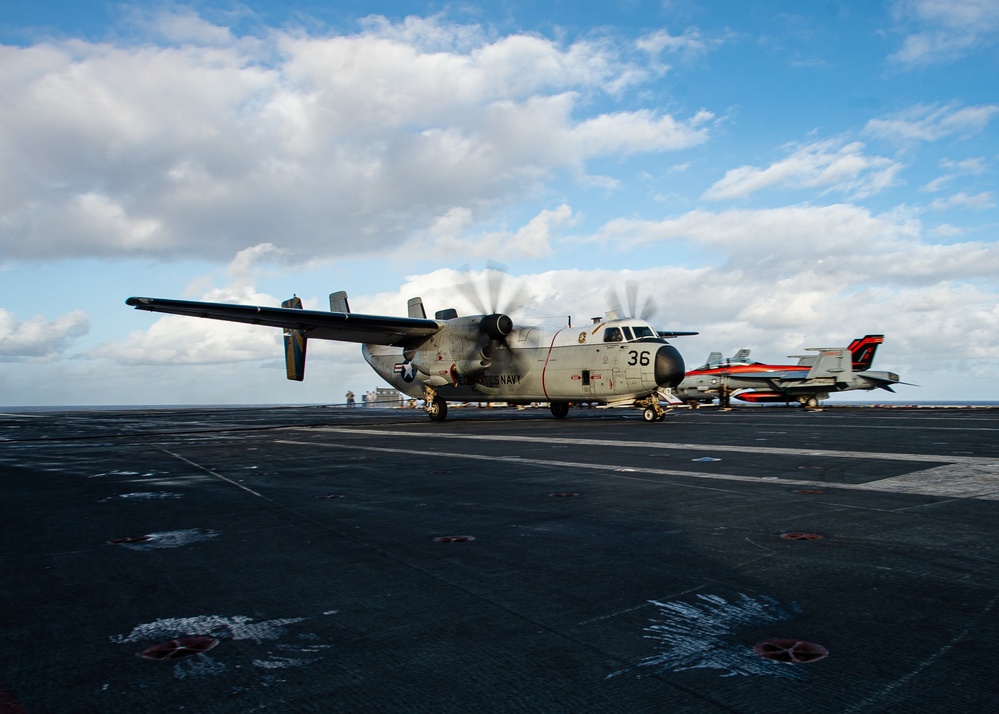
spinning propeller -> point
(495, 326)
(649, 308)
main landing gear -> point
(559, 409)
(434, 406)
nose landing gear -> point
(653, 409)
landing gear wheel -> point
(560, 409)
(810, 403)
(436, 409)
(649, 415)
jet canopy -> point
(723, 362)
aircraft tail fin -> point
(862, 350)
(829, 364)
(338, 302)
(295, 342)
(416, 310)
(742, 354)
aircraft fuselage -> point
(568, 364)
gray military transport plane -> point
(476, 358)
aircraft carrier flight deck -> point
(326, 559)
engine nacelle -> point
(471, 367)
(496, 326)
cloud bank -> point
(339, 144)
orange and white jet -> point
(813, 378)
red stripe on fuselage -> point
(544, 369)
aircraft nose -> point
(669, 366)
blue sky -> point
(777, 175)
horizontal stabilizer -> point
(830, 363)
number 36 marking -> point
(636, 357)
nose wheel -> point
(653, 413)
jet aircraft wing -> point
(343, 326)
(772, 376)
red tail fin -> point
(862, 349)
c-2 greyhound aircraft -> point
(476, 358)
(814, 377)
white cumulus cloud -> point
(38, 337)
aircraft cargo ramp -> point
(367, 560)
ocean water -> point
(143, 407)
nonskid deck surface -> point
(362, 560)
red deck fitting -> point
(790, 651)
(180, 647)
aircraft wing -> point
(343, 326)
(783, 381)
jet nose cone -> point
(669, 366)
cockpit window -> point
(627, 334)
(613, 334)
(644, 331)
(715, 364)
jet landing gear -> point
(434, 406)
(559, 409)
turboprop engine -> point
(465, 347)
